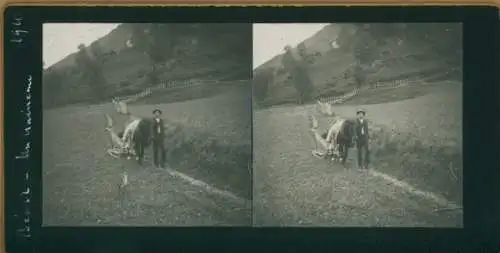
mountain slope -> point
(391, 52)
(203, 51)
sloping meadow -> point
(421, 142)
(225, 164)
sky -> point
(270, 39)
(62, 39)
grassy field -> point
(416, 139)
(207, 139)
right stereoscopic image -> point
(357, 125)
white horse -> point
(122, 143)
(326, 141)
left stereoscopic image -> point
(147, 124)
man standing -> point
(158, 139)
(362, 137)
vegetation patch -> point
(433, 164)
(206, 156)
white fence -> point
(173, 85)
(349, 95)
(392, 84)
(327, 99)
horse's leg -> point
(141, 153)
(335, 145)
(136, 145)
(321, 145)
(345, 152)
(319, 141)
(137, 149)
(116, 142)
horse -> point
(135, 137)
(142, 138)
(336, 141)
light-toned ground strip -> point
(428, 195)
(238, 200)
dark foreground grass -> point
(204, 156)
(417, 141)
(80, 182)
(421, 142)
(208, 139)
(293, 188)
(434, 166)
(416, 134)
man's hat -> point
(360, 110)
(157, 110)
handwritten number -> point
(17, 33)
(18, 21)
(16, 40)
(26, 192)
(26, 229)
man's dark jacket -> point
(156, 135)
(358, 126)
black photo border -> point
(480, 140)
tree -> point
(299, 75)
(139, 38)
(302, 51)
(363, 54)
(82, 59)
(160, 43)
(52, 84)
(93, 75)
(96, 50)
(261, 82)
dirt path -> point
(293, 188)
(81, 183)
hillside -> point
(389, 52)
(202, 51)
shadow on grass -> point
(432, 165)
(209, 158)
